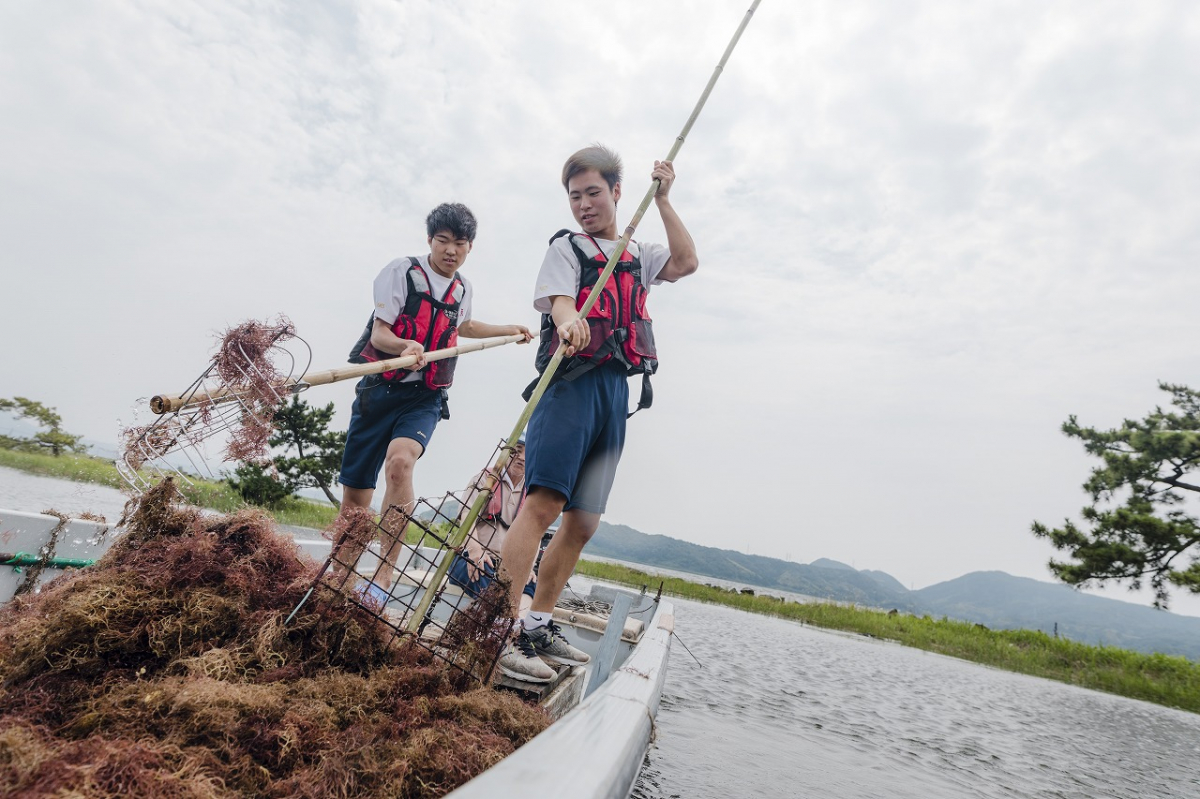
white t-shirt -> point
(391, 290)
(559, 275)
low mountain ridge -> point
(992, 598)
(842, 582)
(998, 599)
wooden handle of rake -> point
(164, 403)
(460, 533)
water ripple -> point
(785, 710)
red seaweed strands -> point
(166, 670)
(244, 364)
(251, 374)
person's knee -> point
(398, 465)
(578, 527)
(578, 536)
(544, 505)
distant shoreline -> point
(1167, 680)
(211, 494)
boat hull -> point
(596, 750)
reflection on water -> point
(784, 710)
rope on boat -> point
(597, 607)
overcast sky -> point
(928, 232)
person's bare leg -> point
(402, 455)
(345, 561)
(519, 551)
(577, 529)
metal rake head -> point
(225, 414)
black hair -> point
(454, 217)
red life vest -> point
(431, 321)
(622, 331)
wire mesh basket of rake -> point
(399, 569)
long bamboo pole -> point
(166, 403)
(459, 534)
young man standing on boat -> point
(421, 304)
(577, 432)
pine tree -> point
(311, 456)
(1137, 527)
(318, 458)
(53, 437)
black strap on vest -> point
(356, 352)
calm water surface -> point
(33, 494)
(784, 710)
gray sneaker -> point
(521, 662)
(550, 643)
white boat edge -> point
(596, 749)
(25, 533)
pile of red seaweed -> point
(166, 670)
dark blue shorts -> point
(576, 435)
(385, 410)
(460, 576)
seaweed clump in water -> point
(166, 670)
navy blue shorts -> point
(385, 410)
(576, 435)
(460, 576)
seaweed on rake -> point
(238, 394)
(248, 440)
(166, 670)
(242, 357)
(353, 526)
(142, 443)
(243, 362)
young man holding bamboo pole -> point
(577, 432)
(421, 304)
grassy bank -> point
(205, 493)
(1162, 679)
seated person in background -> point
(476, 571)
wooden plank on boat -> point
(534, 691)
(590, 621)
(567, 694)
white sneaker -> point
(550, 643)
(520, 661)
